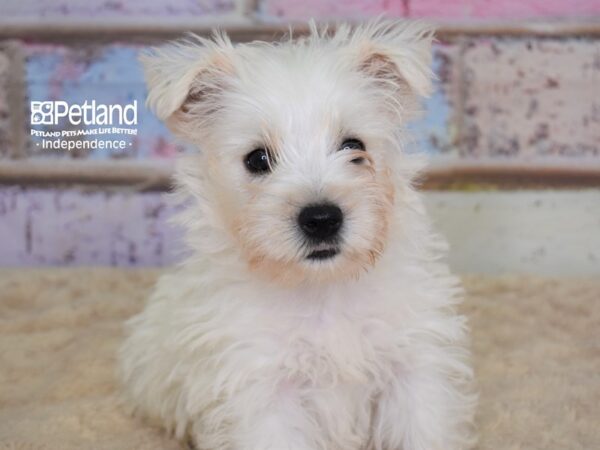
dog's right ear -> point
(185, 77)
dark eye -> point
(257, 161)
(354, 144)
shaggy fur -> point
(250, 344)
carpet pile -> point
(536, 345)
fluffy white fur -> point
(249, 345)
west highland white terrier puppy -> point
(314, 311)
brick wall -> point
(496, 97)
(525, 92)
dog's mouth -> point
(323, 254)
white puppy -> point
(314, 312)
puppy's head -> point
(298, 140)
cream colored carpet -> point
(536, 345)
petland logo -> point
(81, 127)
(51, 113)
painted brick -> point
(6, 139)
(115, 8)
(107, 74)
(329, 9)
(435, 131)
(531, 98)
(73, 228)
(510, 107)
(503, 9)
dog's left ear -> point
(396, 55)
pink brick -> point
(503, 9)
(531, 98)
(330, 9)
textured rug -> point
(536, 344)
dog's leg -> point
(422, 411)
(261, 417)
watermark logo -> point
(83, 126)
(41, 113)
(86, 113)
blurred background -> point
(513, 128)
(513, 136)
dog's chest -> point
(341, 342)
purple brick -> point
(531, 98)
(73, 228)
(116, 8)
(6, 138)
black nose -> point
(321, 222)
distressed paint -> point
(515, 97)
(329, 9)
(531, 98)
(114, 8)
(107, 74)
(74, 227)
(6, 137)
(503, 9)
(435, 132)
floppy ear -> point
(184, 77)
(397, 56)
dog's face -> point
(297, 140)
